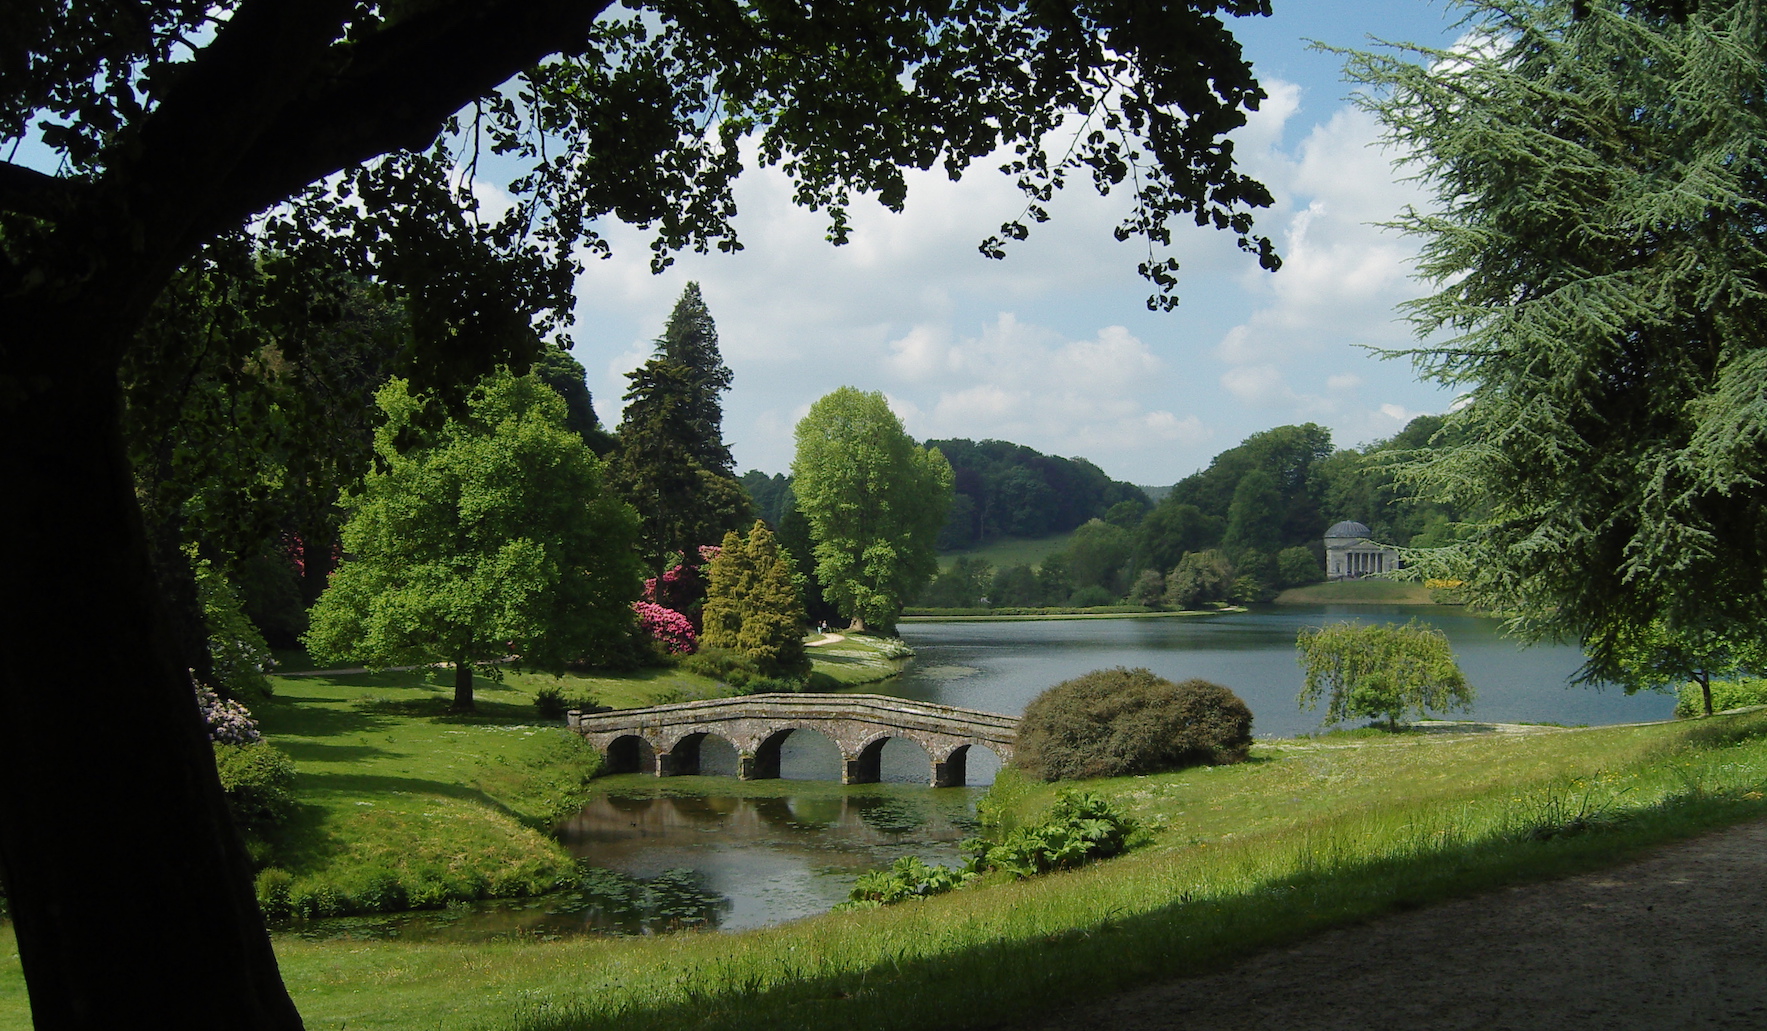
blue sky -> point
(1054, 347)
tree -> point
(170, 124)
(488, 540)
(1254, 519)
(1172, 530)
(690, 339)
(1200, 576)
(681, 503)
(961, 585)
(754, 606)
(674, 466)
(1098, 555)
(558, 369)
(1596, 240)
(1661, 659)
(1296, 566)
(875, 502)
(1375, 671)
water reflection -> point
(775, 858)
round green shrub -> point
(256, 778)
(1119, 722)
(273, 886)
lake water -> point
(1001, 666)
(760, 858)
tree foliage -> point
(1596, 238)
(754, 606)
(487, 540)
(1374, 671)
(1008, 490)
(875, 502)
(673, 464)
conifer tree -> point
(673, 464)
(772, 631)
(1597, 238)
(690, 339)
(729, 578)
(754, 605)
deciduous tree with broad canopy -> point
(169, 123)
(875, 501)
(1597, 235)
(490, 540)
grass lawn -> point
(1012, 551)
(1310, 833)
(403, 803)
(1359, 592)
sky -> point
(1054, 347)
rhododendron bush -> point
(229, 722)
(667, 627)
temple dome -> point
(1347, 528)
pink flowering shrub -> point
(667, 627)
(230, 723)
(683, 588)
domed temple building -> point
(1350, 554)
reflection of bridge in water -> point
(667, 738)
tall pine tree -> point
(673, 464)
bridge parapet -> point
(757, 725)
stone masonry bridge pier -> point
(667, 738)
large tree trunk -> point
(131, 892)
(463, 687)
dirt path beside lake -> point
(1675, 940)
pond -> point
(1001, 666)
(689, 852)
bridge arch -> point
(690, 754)
(954, 771)
(770, 751)
(630, 753)
(867, 767)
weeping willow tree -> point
(1596, 244)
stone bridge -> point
(667, 738)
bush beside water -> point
(1119, 722)
(1079, 829)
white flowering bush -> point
(229, 722)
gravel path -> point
(1675, 940)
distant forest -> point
(1248, 525)
(1002, 490)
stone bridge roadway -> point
(667, 738)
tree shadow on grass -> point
(315, 752)
(316, 720)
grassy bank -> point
(1311, 833)
(1308, 834)
(1013, 551)
(1019, 615)
(404, 805)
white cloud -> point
(910, 308)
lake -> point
(1001, 666)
